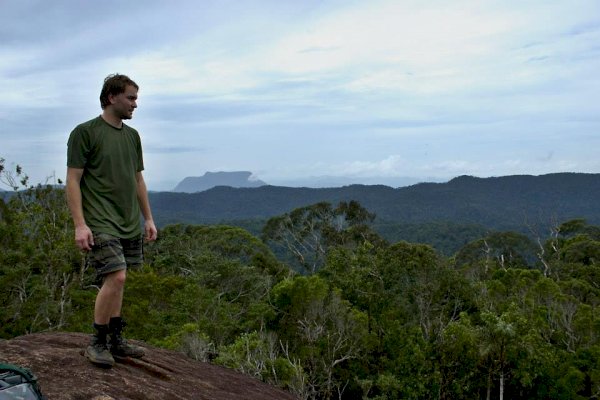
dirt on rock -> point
(64, 373)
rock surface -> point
(64, 373)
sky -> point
(310, 93)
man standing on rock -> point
(106, 193)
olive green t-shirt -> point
(110, 158)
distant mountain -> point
(236, 179)
(338, 181)
(510, 202)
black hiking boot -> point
(118, 345)
(97, 352)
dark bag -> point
(18, 383)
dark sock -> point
(101, 332)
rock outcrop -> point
(64, 373)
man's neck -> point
(112, 119)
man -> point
(106, 193)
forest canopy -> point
(320, 304)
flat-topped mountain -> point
(235, 179)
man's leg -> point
(108, 259)
(110, 297)
(133, 253)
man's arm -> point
(142, 195)
(83, 235)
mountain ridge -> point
(499, 202)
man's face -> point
(124, 103)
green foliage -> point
(223, 299)
(497, 250)
(445, 236)
(260, 355)
(504, 316)
(321, 329)
(178, 247)
(307, 233)
(40, 267)
(191, 340)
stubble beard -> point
(127, 115)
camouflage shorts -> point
(110, 254)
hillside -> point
(63, 373)
(499, 203)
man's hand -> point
(84, 239)
(150, 231)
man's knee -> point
(116, 279)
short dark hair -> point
(114, 84)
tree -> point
(497, 250)
(307, 233)
(458, 360)
(40, 266)
(323, 331)
(179, 245)
(262, 355)
(498, 338)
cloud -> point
(393, 165)
(313, 87)
(154, 148)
